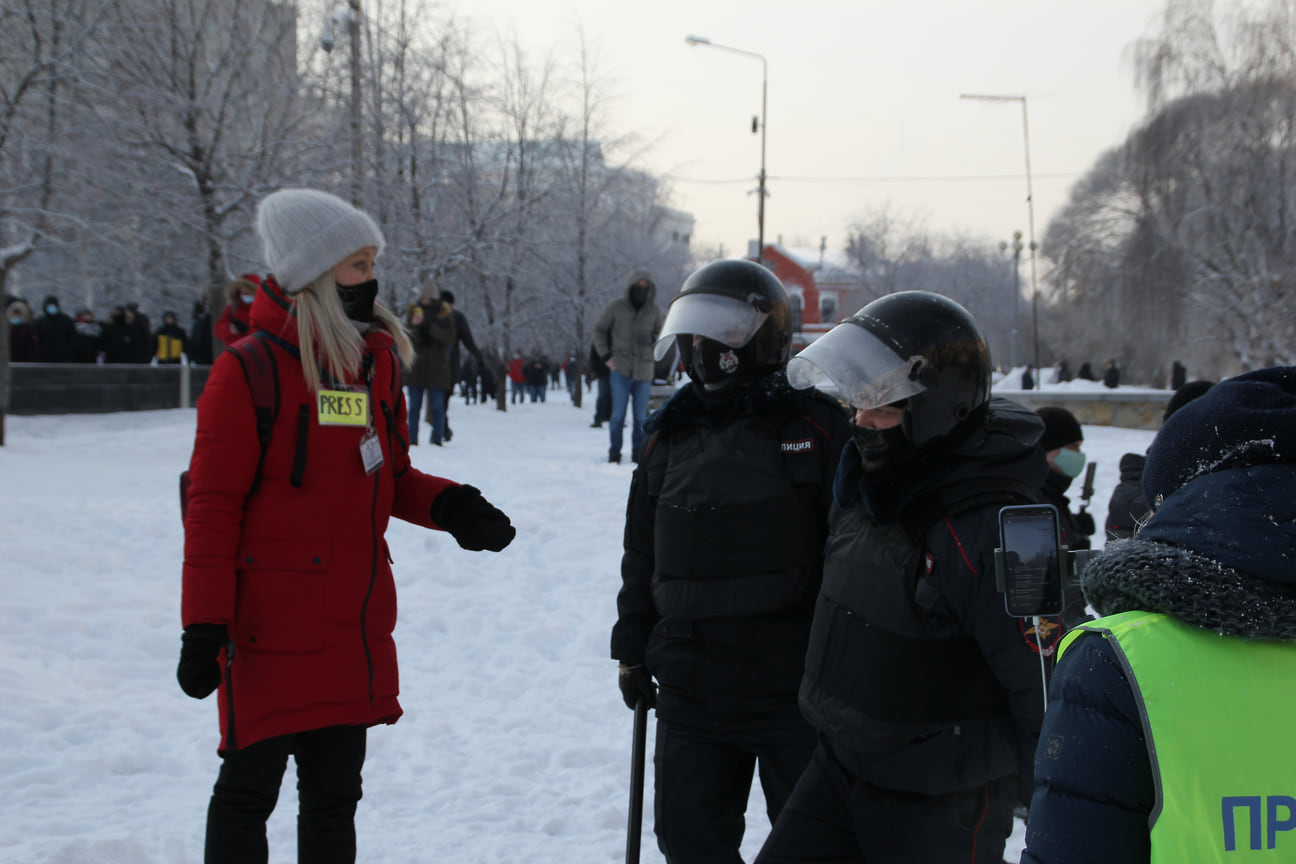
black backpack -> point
(258, 364)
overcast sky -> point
(863, 103)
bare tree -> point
(41, 45)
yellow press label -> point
(343, 408)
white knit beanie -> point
(305, 233)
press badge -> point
(371, 451)
(343, 408)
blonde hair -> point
(327, 338)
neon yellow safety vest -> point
(1219, 717)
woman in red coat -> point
(288, 600)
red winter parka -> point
(299, 574)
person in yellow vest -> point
(169, 341)
(1168, 731)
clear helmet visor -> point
(852, 365)
(712, 316)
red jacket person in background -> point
(288, 600)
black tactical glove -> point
(474, 522)
(1085, 523)
(199, 672)
(636, 681)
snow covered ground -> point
(514, 746)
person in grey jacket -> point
(624, 336)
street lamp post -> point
(1030, 213)
(760, 189)
(1016, 283)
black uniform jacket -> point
(915, 674)
(724, 535)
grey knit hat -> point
(305, 233)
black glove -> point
(636, 681)
(474, 522)
(1085, 523)
(199, 672)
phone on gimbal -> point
(1031, 564)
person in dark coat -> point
(727, 515)
(1111, 375)
(1085, 373)
(170, 342)
(288, 601)
(1061, 444)
(55, 331)
(22, 333)
(1178, 375)
(432, 327)
(535, 373)
(1168, 732)
(118, 338)
(87, 345)
(200, 335)
(141, 334)
(603, 398)
(1127, 510)
(462, 336)
(927, 697)
(1028, 378)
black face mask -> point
(358, 300)
(638, 295)
(715, 365)
(889, 445)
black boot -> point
(614, 456)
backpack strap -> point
(262, 375)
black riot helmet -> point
(914, 347)
(742, 314)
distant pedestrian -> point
(55, 330)
(1027, 379)
(22, 333)
(118, 338)
(431, 326)
(1063, 372)
(1111, 375)
(200, 335)
(87, 345)
(535, 373)
(1085, 372)
(624, 336)
(170, 343)
(1178, 375)
(517, 381)
(141, 334)
(599, 371)
(462, 336)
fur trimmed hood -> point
(1220, 555)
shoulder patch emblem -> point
(1050, 633)
(805, 445)
(929, 561)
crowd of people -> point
(125, 336)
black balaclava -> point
(358, 300)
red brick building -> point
(823, 288)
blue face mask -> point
(1069, 462)
(15, 321)
(51, 309)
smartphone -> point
(1032, 565)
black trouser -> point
(603, 402)
(703, 779)
(328, 786)
(833, 817)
